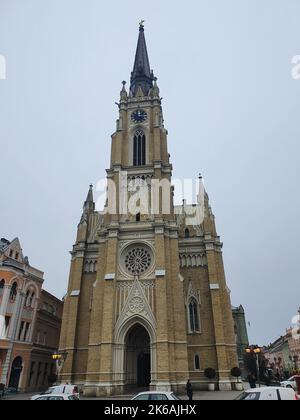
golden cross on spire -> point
(142, 23)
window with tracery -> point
(139, 148)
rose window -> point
(137, 260)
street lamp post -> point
(59, 359)
(256, 351)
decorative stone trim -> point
(192, 293)
(90, 266)
(159, 230)
(160, 273)
(136, 302)
(192, 260)
(139, 180)
(214, 286)
(209, 247)
(113, 233)
(79, 254)
(110, 277)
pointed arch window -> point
(187, 233)
(27, 298)
(139, 148)
(31, 301)
(197, 362)
(194, 316)
(13, 291)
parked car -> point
(57, 397)
(289, 383)
(269, 394)
(59, 389)
(155, 396)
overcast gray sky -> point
(231, 108)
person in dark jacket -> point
(267, 379)
(189, 390)
(252, 380)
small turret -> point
(89, 205)
(155, 90)
(123, 94)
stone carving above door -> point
(136, 305)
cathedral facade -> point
(147, 302)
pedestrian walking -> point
(252, 380)
(189, 390)
(267, 379)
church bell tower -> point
(147, 303)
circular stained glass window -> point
(138, 260)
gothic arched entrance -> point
(15, 373)
(137, 357)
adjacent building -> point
(283, 355)
(241, 333)
(277, 355)
(30, 321)
(293, 338)
(147, 303)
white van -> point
(269, 394)
(59, 389)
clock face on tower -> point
(139, 116)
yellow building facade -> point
(147, 302)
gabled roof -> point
(4, 244)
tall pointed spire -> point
(142, 76)
(89, 204)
